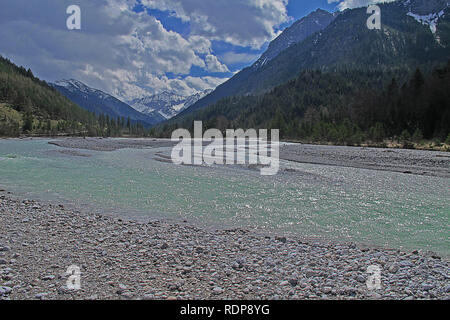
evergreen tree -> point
(28, 122)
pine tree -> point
(405, 136)
(447, 141)
(418, 135)
(28, 122)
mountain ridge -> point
(271, 53)
(29, 105)
(403, 41)
(297, 32)
(167, 104)
(100, 102)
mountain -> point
(29, 105)
(100, 102)
(166, 104)
(344, 107)
(299, 31)
(405, 42)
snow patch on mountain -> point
(76, 86)
(167, 104)
(429, 19)
(100, 102)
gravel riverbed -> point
(161, 260)
(419, 162)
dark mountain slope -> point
(403, 43)
(28, 104)
(345, 107)
(298, 32)
(100, 102)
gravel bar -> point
(160, 260)
(420, 162)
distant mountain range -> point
(414, 33)
(100, 102)
(149, 110)
(166, 104)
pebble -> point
(218, 290)
(427, 287)
(41, 296)
(161, 260)
(293, 282)
(361, 279)
(5, 290)
(393, 269)
(326, 290)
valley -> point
(94, 177)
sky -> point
(133, 48)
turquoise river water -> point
(326, 202)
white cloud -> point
(240, 22)
(184, 86)
(117, 50)
(349, 4)
(214, 65)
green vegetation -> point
(30, 106)
(110, 127)
(10, 121)
(447, 141)
(346, 43)
(349, 107)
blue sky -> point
(295, 10)
(133, 48)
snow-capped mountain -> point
(425, 7)
(73, 85)
(100, 102)
(166, 104)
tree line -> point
(344, 107)
(30, 106)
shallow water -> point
(366, 206)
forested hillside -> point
(29, 105)
(32, 107)
(403, 42)
(100, 102)
(344, 107)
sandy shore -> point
(159, 260)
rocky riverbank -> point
(159, 260)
